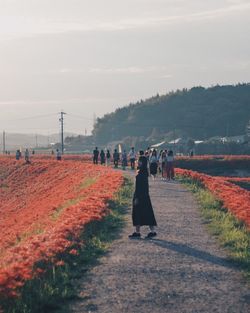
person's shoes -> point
(135, 236)
(151, 235)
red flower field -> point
(234, 198)
(43, 208)
(216, 157)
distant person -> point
(164, 164)
(170, 165)
(58, 155)
(18, 155)
(27, 156)
(116, 158)
(95, 155)
(132, 157)
(52, 152)
(153, 164)
(108, 157)
(124, 160)
(142, 213)
(102, 156)
(33, 152)
(191, 154)
(148, 153)
(159, 161)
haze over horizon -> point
(87, 57)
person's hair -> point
(142, 165)
(141, 152)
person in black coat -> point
(95, 155)
(102, 156)
(142, 213)
(116, 158)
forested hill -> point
(197, 113)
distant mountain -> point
(15, 141)
(198, 113)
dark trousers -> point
(132, 164)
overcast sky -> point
(92, 56)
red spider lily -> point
(60, 263)
(73, 252)
(237, 179)
(215, 157)
(234, 198)
(43, 209)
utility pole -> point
(61, 120)
(3, 142)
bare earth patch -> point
(182, 270)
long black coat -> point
(142, 213)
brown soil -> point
(182, 270)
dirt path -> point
(183, 270)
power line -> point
(28, 128)
(80, 117)
(32, 117)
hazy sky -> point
(86, 56)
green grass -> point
(87, 182)
(231, 233)
(53, 291)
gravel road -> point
(182, 270)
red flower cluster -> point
(215, 157)
(234, 198)
(43, 208)
(237, 179)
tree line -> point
(199, 113)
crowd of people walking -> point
(158, 162)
